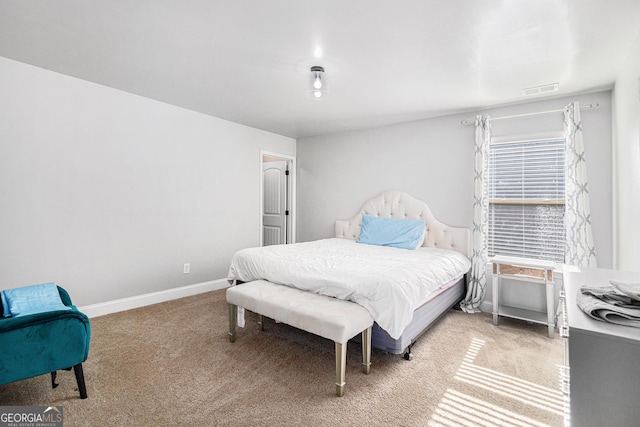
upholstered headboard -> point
(397, 204)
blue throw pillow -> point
(5, 306)
(32, 299)
(397, 233)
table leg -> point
(550, 306)
(495, 294)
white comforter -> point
(389, 282)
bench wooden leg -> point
(341, 363)
(366, 350)
(233, 317)
(260, 323)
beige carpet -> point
(171, 364)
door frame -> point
(291, 195)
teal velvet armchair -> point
(42, 343)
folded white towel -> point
(605, 312)
(617, 303)
(632, 290)
(610, 295)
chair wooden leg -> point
(53, 379)
(77, 369)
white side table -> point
(527, 270)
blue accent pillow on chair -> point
(31, 299)
(397, 233)
(34, 342)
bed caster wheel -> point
(407, 353)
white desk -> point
(529, 270)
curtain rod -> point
(466, 122)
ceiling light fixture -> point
(318, 89)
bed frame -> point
(397, 204)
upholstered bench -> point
(327, 317)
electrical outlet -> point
(187, 268)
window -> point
(525, 182)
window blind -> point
(525, 184)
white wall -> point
(337, 173)
(433, 160)
(626, 100)
(109, 194)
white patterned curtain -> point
(579, 249)
(478, 279)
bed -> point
(405, 291)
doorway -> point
(277, 192)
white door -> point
(275, 202)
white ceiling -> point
(387, 62)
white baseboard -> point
(100, 309)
